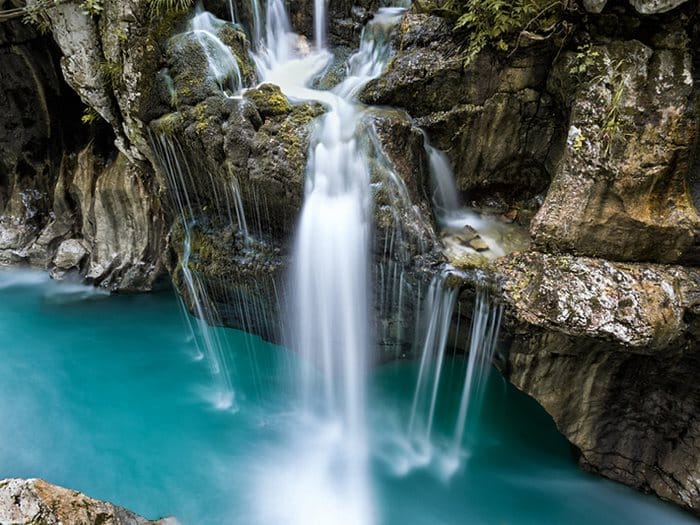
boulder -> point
(36, 502)
(70, 254)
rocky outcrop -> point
(491, 116)
(633, 418)
(619, 190)
(36, 502)
(57, 202)
(639, 306)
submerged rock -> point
(36, 502)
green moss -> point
(269, 100)
(112, 72)
(168, 124)
(236, 40)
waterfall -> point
(445, 194)
(424, 445)
(329, 279)
(439, 307)
(221, 61)
(486, 325)
(180, 183)
(320, 23)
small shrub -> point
(502, 23)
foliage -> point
(585, 60)
(503, 23)
(158, 8)
(112, 72)
(89, 116)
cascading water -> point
(440, 303)
(327, 463)
(222, 63)
(180, 181)
(486, 326)
(330, 277)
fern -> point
(500, 23)
(157, 8)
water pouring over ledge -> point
(330, 277)
(329, 281)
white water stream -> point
(328, 473)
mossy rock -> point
(269, 100)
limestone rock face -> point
(620, 189)
(638, 306)
(122, 222)
(75, 32)
(632, 417)
(36, 502)
(492, 116)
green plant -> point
(503, 23)
(112, 72)
(584, 61)
(158, 8)
(91, 7)
(89, 116)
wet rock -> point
(34, 501)
(633, 418)
(478, 244)
(620, 189)
(491, 116)
(269, 100)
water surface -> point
(105, 394)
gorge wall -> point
(587, 138)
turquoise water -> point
(106, 395)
